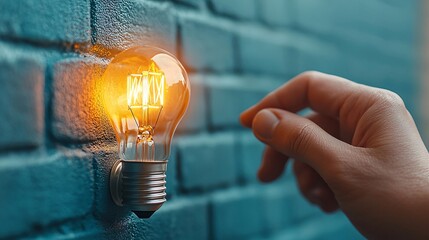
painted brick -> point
(206, 46)
(104, 158)
(373, 72)
(46, 20)
(322, 228)
(239, 9)
(181, 218)
(225, 105)
(301, 209)
(385, 62)
(279, 13)
(171, 178)
(249, 153)
(278, 211)
(39, 190)
(193, 3)
(82, 229)
(134, 23)
(347, 17)
(312, 54)
(77, 112)
(195, 118)
(21, 99)
(236, 214)
(206, 161)
(185, 218)
(264, 52)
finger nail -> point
(264, 124)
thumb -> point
(299, 138)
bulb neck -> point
(139, 185)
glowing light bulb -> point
(146, 92)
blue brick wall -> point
(57, 148)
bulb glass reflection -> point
(146, 92)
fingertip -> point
(265, 176)
(329, 207)
(246, 117)
(327, 201)
(244, 120)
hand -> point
(360, 151)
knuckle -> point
(311, 75)
(300, 140)
(390, 99)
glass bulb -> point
(146, 92)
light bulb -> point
(146, 92)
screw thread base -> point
(139, 186)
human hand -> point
(360, 151)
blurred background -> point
(57, 148)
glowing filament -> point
(146, 89)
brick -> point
(225, 105)
(239, 9)
(321, 228)
(374, 62)
(265, 52)
(195, 118)
(386, 63)
(301, 209)
(206, 46)
(380, 64)
(371, 72)
(39, 190)
(77, 112)
(236, 214)
(129, 227)
(46, 20)
(171, 178)
(279, 13)
(348, 17)
(277, 208)
(312, 54)
(85, 228)
(21, 99)
(134, 23)
(105, 156)
(250, 152)
(206, 161)
(181, 218)
(193, 3)
(185, 218)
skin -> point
(359, 151)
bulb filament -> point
(145, 97)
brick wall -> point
(56, 146)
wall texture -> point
(56, 146)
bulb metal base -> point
(139, 185)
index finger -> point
(321, 92)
